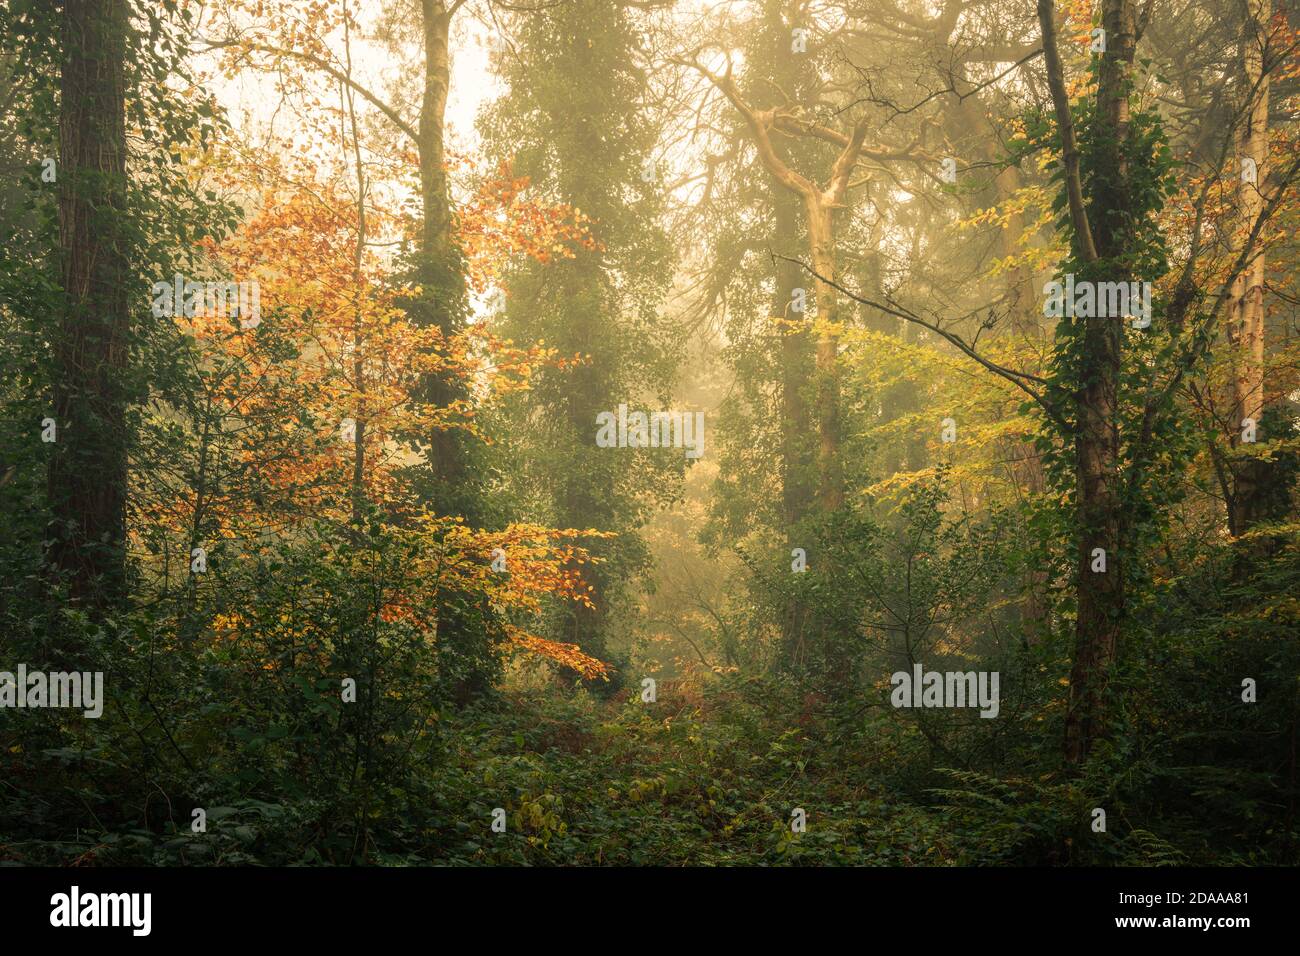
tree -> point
(572, 124)
(87, 472)
(1096, 444)
(1113, 184)
(1245, 306)
(820, 204)
(435, 268)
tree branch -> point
(759, 123)
(1065, 121)
(1019, 379)
(325, 67)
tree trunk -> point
(439, 273)
(1246, 300)
(464, 637)
(88, 463)
(821, 236)
(587, 488)
(1097, 445)
(796, 489)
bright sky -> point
(255, 107)
(253, 103)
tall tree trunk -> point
(464, 636)
(587, 489)
(88, 464)
(796, 489)
(358, 306)
(835, 643)
(439, 270)
(1097, 443)
(821, 236)
(1246, 300)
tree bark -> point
(821, 238)
(1097, 442)
(464, 631)
(796, 488)
(442, 282)
(88, 463)
(1245, 324)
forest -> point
(649, 433)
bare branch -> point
(325, 67)
(759, 122)
(1019, 379)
